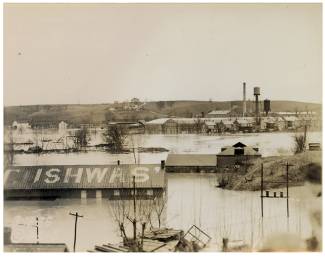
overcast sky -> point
(82, 53)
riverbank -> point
(274, 169)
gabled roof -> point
(239, 144)
(191, 160)
(230, 150)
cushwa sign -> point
(78, 174)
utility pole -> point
(134, 211)
(37, 233)
(75, 228)
(287, 177)
(275, 193)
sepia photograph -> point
(162, 127)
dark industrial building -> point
(87, 181)
(236, 158)
(191, 163)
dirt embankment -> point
(274, 169)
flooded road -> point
(192, 198)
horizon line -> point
(122, 101)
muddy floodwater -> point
(192, 198)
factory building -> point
(236, 158)
(87, 181)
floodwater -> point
(192, 198)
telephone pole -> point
(267, 192)
(135, 211)
(75, 228)
(37, 233)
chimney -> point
(244, 99)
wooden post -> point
(262, 190)
(37, 235)
(75, 228)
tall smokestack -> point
(244, 99)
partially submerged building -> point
(86, 181)
(236, 158)
(161, 126)
(191, 163)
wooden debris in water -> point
(163, 234)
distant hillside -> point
(99, 113)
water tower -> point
(257, 92)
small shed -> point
(191, 163)
(237, 157)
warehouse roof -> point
(191, 160)
(83, 177)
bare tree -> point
(159, 205)
(81, 137)
(115, 137)
(137, 211)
